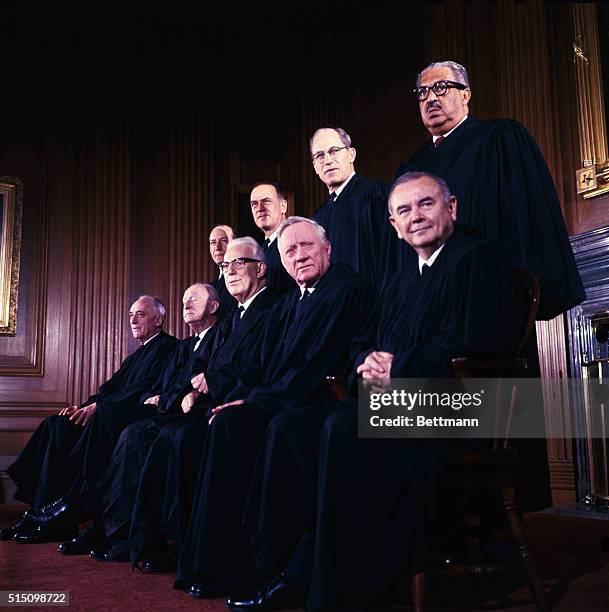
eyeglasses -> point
(237, 263)
(320, 156)
(439, 88)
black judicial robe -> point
(376, 496)
(277, 278)
(128, 432)
(357, 225)
(505, 192)
(44, 469)
(299, 348)
(168, 478)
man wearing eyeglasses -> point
(501, 180)
(269, 207)
(355, 213)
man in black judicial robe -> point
(269, 206)
(219, 238)
(44, 469)
(355, 213)
(308, 336)
(110, 465)
(168, 479)
(461, 297)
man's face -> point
(196, 306)
(144, 320)
(303, 254)
(243, 283)
(218, 241)
(333, 172)
(421, 217)
(268, 209)
(440, 114)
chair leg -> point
(417, 587)
(528, 563)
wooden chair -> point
(490, 469)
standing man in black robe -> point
(109, 448)
(219, 238)
(44, 469)
(308, 336)
(355, 213)
(168, 480)
(269, 207)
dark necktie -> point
(236, 318)
(425, 270)
(439, 140)
(266, 244)
(302, 303)
(331, 198)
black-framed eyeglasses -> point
(237, 263)
(439, 88)
(320, 156)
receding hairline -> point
(227, 229)
(211, 291)
(412, 177)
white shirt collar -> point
(338, 190)
(450, 131)
(272, 237)
(249, 300)
(201, 335)
(432, 258)
(151, 338)
(309, 289)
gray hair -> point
(257, 250)
(320, 231)
(408, 177)
(211, 291)
(228, 230)
(157, 304)
(459, 72)
(344, 137)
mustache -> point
(432, 104)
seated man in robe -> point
(44, 469)
(308, 335)
(168, 480)
(92, 455)
(365, 499)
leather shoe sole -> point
(91, 538)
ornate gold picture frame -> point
(11, 205)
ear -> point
(284, 206)
(352, 154)
(213, 306)
(328, 248)
(452, 207)
(261, 269)
(395, 227)
(466, 96)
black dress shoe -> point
(202, 591)
(50, 512)
(116, 553)
(91, 538)
(50, 532)
(159, 563)
(23, 523)
(275, 595)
